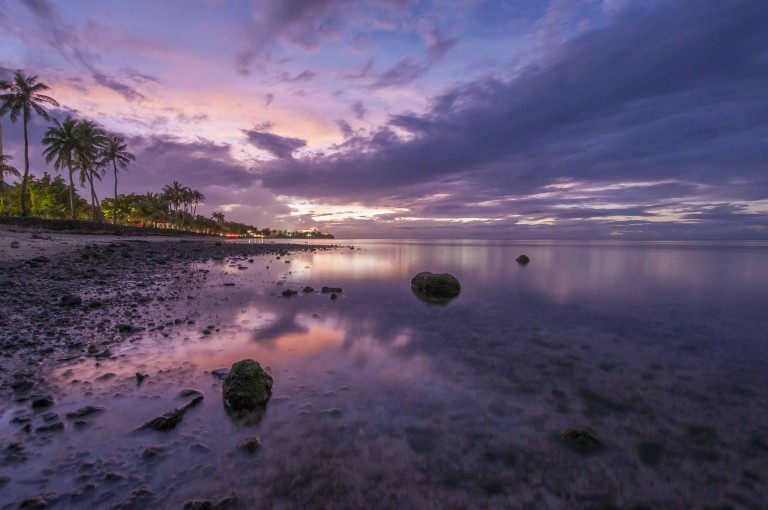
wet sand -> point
(83, 300)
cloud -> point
(359, 110)
(279, 146)
(268, 98)
(641, 98)
(128, 92)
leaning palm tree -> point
(197, 198)
(62, 143)
(115, 151)
(5, 171)
(91, 138)
(23, 97)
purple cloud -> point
(279, 146)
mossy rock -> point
(442, 286)
(246, 386)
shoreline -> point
(64, 295)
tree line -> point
(82, 148)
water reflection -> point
(654, 348)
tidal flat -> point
(599, 375)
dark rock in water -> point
(53, 427)
(289, 293)
(85, 411)
(128, 328)
(140, 378)
(334, 296)
(199, 448)
(246, 386)
(106, 377)
(308, 289)
(198, 504)
(249, 444)
(70, 300)
(170, 419)
(229, 284)
(40, 260)
(522, 259)
(150, 452)
(331, 290)
(220, 373)
(41, 500)
(435, 288)
(188, 392)
(22, 385)
(580, 441)
(41, 401)
(229, 501)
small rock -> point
(246, 386)
(53, 427)
(289, 293)
(231, 500)
(170, 419)
(85, 411)
(334, 296)
(128, 328)
(150, 452)
(199, 448)
(580, 441)
(41, 401)
(70, 300)
(105, 377)
(329, 290)
(188, 392)
(522, 259)
(140, 377)
(198, 504)
(308, 289)
(249, 444)
(438, 286)
(220, 373)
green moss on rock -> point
(246, 386)
(442, 285)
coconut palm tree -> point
(62, 143)
(23, 97)
(197, 198)
(115, 151)
(91, 138)
(174, 193)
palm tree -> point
(174, 193)
(115, 151)
(5, 171)
(91, 138)
(197, 197)
(23, 97)
(62, 144)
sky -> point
(511, 119)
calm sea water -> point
(380, 400)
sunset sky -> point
(395, 118)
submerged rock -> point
(308, 289)
(435, 287)
(246, 386)
(70, 300)
(41, 401)
(522, 259)
(249, 444)
(170, 419)
(198, 504)
(85, 411)
(331, 290)
(580, 441)
(289, 293)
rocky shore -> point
(67, 296)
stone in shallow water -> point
(522, 259)
(580, 441)
(85, 411)
(170, 419)
(249, 444)
(246, 386)
(435, 288)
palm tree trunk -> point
(71, 193)
(26, 169)
(114, 205)
(93, 195)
